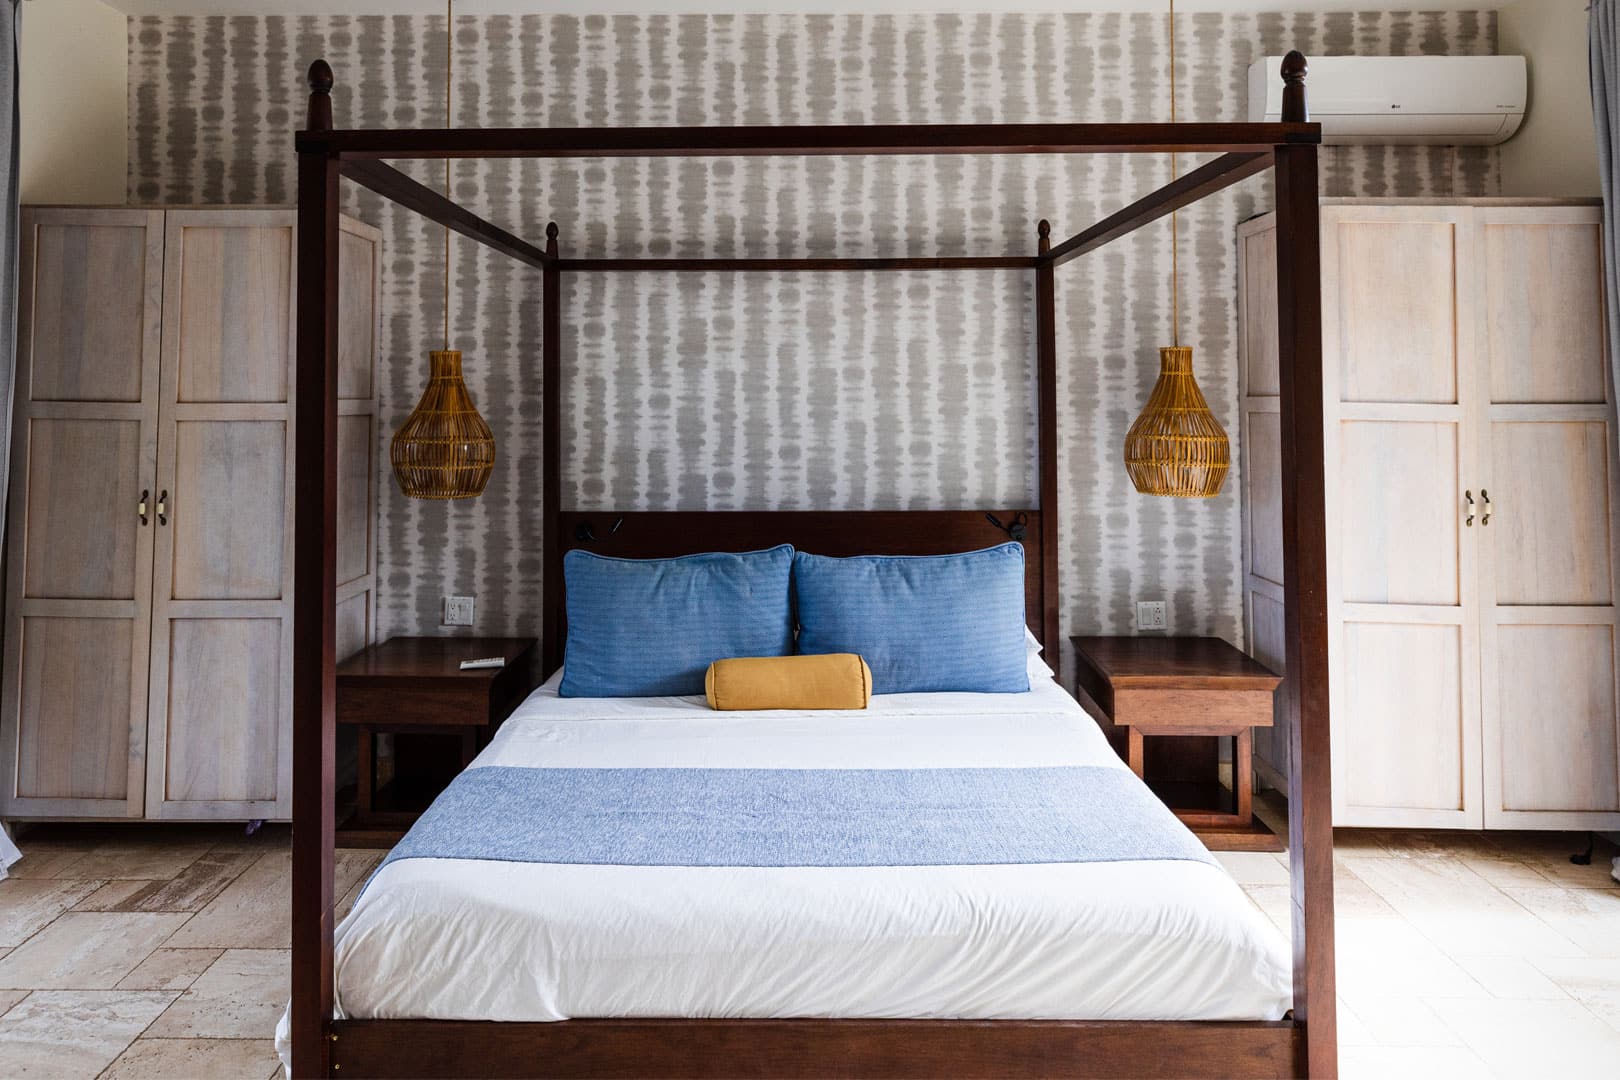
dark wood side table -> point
(414, 686)
(1184, 686)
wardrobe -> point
(148, 626)
(1471, 510)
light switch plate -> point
(458, 611)
(1152, 615)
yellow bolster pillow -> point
(826, 681)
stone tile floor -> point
(160, 951)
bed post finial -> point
(1044, 229)
(551, 238)
(1294, 70)
(320, 96)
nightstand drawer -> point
(392, 706)
(1192, 712)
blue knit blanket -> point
(799, 817)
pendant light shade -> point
(444, 450)
(1177, 447)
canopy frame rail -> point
(1308, 1037)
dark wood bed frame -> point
(1303, 1044)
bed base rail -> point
(814, 1048)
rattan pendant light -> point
(1177, 447)
(444, 450)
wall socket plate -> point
(1152, 615)
(458, 611)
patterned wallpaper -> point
(785, 391)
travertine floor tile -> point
(1512, 978)
(166, 1059)
(8, 998)
(240, 996)
(1374, 955)
(198, 884)
(169, 969)
(1460, 911)
(1594, 983)
(254, 911)
(134, 858)
(1253, 867)
(45, 862)
(1588, 917)
(86, 950)
(27, 904)
(113, 893)
(1400, 1020)
(1411, 1063)
(73, 1033)
(1535, 1038)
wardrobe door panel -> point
(1544, 311)
(1549, 461)
(81, 531)
(91, 292)
(1404, 747)
(1402, 583)
(359, 287)
(356, 464)
(1401, 494)
(1555, 692)
(78, 685)
(225, 705)
(235, 291)
(1550, 512)
(227, 510)
(1396, 292)
(79, 566)
(220, 728)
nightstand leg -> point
(469, 746)
(1134, 753)
(1243, 774)
(368, 772)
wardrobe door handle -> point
(1468, 520)
(140, 508)
(163, 507)
(1485, 518)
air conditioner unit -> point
(1439, 100)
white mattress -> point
(461, 939)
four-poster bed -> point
(1304, 1043)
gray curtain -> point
(1603, 29)
(9, 16)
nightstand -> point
(1178, 686)
(407, 688)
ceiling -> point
(584, 7)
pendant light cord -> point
(449, 85)
(1175, 246)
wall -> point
(72, 100)
(1555, 151)
(812, 391)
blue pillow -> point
(922, 623)
(652, 627)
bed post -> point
(1305, 689)
(551, 453)
(314, 688)
(1046, 422)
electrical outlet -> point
(458, 611)
(1152, 615)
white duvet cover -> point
(477, 940)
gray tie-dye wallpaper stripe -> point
(785, 391)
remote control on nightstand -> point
(486, 662)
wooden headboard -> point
(663, 534)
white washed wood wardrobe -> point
(148, 627)
(1471, 510)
